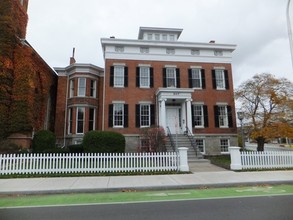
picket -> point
(266, 160)
(87, 163)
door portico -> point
(175, 109)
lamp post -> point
(240, 116)
(289, 30)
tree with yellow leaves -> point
(267, 103)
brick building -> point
(28, 84)
(159, 80)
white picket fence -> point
(88, 163)
(260, 160)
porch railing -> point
(172, 142)
(192, 141)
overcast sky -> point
(257, 27)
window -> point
(119, 76)
(144, 77)
(220, 79)
(150, 36)
(196, 78)
(71, 92)
(195, 52)
(218, 53)
(198, 117)
(80, 120)
(224, 144)
(172, 37)
(119, 49)
(92, 119)
(165, 37)
(223, 116)
(170, 51)
(200, 145)
(144, 50)
(171, 77)
(145, 115)
(118, 115)
(81, 86)
(70, 120)
(157, 36)
(93, 88)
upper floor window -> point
(150, 36)
(220, 79)
(165, 37)
(144, 77)
(81, 86)
(71, 92)
(196, 78)
(93, 89)
(145, 115)
(157, 36)
(119, 76)
(172, 37)
(171, 77)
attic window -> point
(195, 52)
(119, 49)
(170, 51)
(218, 53)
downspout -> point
(104, 95)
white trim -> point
(144, 65)
(170, 66)
(118, 102)
(195, 67)
(219, 68)
(119, 64)
(144, 102)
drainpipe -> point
(65, 114)
(104, 98)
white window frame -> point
(201, 115)
(70, 121)
(81, 89)
(223, 116)
(202, 147)
(71, 89)
(224, 147)
(142, 114)
(119, 76)
(220, 79)
(80, 109)
(144, 77)
(171, 81)
(117, 123)
(93, 89)
(196, 76)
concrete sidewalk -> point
(155, 182)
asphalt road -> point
(260, 208)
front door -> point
(173, 119)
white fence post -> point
(183, 161)
(235, 158)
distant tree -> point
(267, 103)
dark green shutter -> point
(125, 116)
(177, 78)
(110, 119)
(137, 116)
(126, 76)
(230, 118)
(214, 79)
(137, 77)
(226, 79)
(164, 77)
(112, 76)
(151, 77)
(190, 78)
(203, 79)
(216, 112)
(153, 115)
(206, 116)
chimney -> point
(72, 59)
(212, 42)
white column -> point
(163, 113)
(183, 117)
(183, 160)
(235, 158)
(189, 116)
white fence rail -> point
(260, 160)
(88, 163)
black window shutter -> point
(226, 79)
(112, 76)
(192, 116)
(190, 78)
(137, 77)
(125, 116)
(203, 79)
(177, 78)
(230, 118)
(151, 77)
(216, 112)
(126, 76)
(153, 115)
(214, 79)
(206, 116)
(164, 77)
(110, 119)
(137, 116)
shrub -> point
(6, 147)
(103, 142)
(43, 141)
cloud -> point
(257, 27)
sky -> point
(257, 27)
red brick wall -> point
(132, 95)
